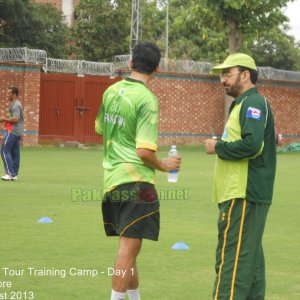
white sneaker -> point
(9, 178)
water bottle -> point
(173, 175)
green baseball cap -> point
(236, 59)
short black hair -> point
(14, 90)
(145, 58)
(253, 73)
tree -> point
(14, 16)
(274, 48)
(101, 29)
(246, 18)
(203, 31)
(153, 22)
(26, 24)
(195, 33)
(50, 31)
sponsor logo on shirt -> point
(114, 119)
(253, 113)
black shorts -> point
(132, 210)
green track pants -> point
(240, 264)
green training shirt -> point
(246, 162)
(127, 119)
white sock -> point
(134, 294)
(117, 295)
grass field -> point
(58, 183)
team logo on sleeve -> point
(253, 113)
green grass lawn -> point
(49, 185)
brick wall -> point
(192, 108)
(26, 78)
(285, 100)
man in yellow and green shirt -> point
(243, 182)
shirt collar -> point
(134, 80)
(249, 92)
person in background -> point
(13, 131)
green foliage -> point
(101, 29)
(14, 18)
(256, 27)
(244, 18)
(153, 23)
(51, 33)
(194, 32)
(200, 30)
(245, 12)
(40, 26)
(274, 48)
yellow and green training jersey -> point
(128, 120)
(246, 162)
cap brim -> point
(221, 67)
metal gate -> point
(69, 105)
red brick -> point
(191, 107)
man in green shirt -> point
(243, 182)
(128, 121)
